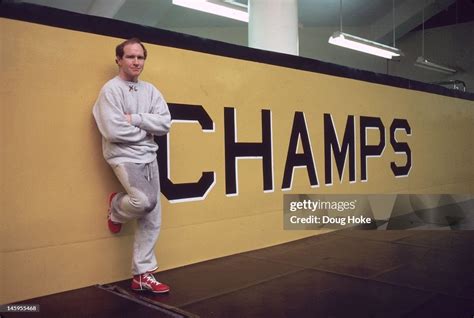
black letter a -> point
(298, 160)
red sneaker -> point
(148, 282)
(114, 227)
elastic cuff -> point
(136, 119)
(153, 270)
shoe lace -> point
(149, 278)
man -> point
(129, 113)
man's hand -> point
(129, 118)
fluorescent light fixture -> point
(424, 63)
(225, 9)
(363, 45)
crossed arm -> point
(157, 122)
(118, 127)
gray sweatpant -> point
(141, 202)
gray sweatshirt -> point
(150, 116)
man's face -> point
(132, 63)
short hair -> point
(119, 49)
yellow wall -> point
(54, 181)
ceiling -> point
(375, 14)
(372, 19)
